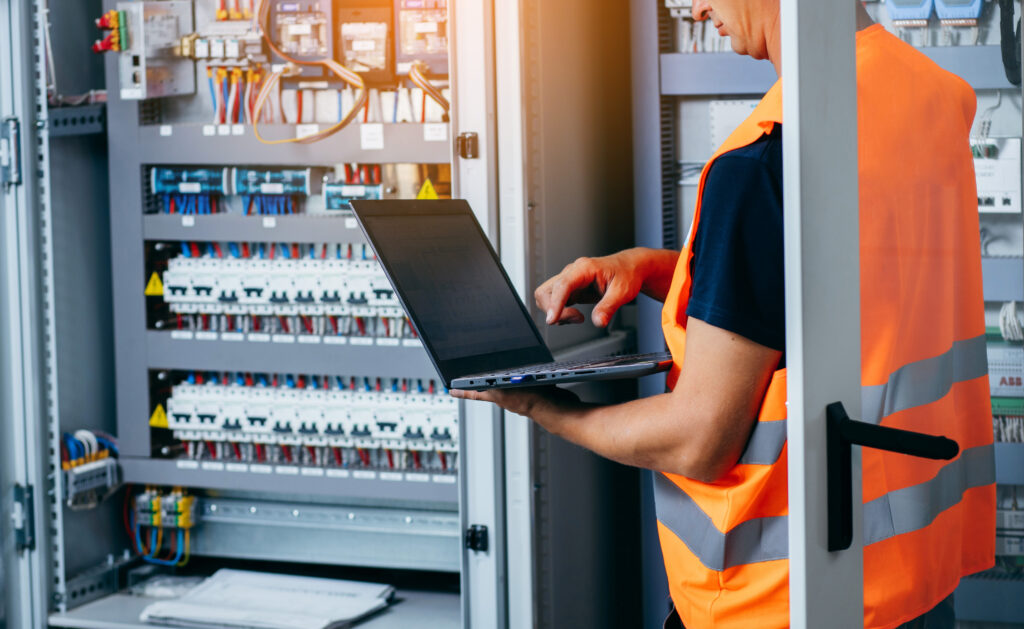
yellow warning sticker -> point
(155, 288)
(427, 191)
(159, 418)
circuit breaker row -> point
(296, 280)
(315, 420)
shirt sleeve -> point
(737, 268)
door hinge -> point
(467, 145)
(476, 538)
(10, 152)
(23, 518)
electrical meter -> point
(421, 34)
(364, 42)
(301, 29)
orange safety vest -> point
(926, 523)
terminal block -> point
(338, 195)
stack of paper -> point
(237, 598)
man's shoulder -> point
(767, 150)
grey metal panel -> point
(990, 599)
(1010, 464)
(648, 173)
(188, 144)
(297, 228)
(167, 472)
(701, 74)
(164, 352)
(426, 610)
(82, 310)
(1003, 279)
(693, 74)
(981, 66)
(82, 120)
(328, 534)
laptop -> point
(476, 329)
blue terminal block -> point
(958, 12)
(282, 182)
(909, 12)
(338, 195)
(170, 181)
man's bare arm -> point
(698, 430)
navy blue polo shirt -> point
(737, 265)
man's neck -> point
(775, 36)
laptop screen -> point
(452, 286)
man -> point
(718, 438)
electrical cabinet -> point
(204, 365)
(690, 91)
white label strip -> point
(188, 465)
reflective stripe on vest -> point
(916, 384)
(766, 539)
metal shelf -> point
(705, 74)
(1003, 279)
(1010, 464)
(429, 610)
(338, 227)
(427, 488)
(383, 361)
(236, 144)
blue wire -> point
(225, 90)
(284, 251)
(213, 92)
(240, 380)
(366, 383)
(108, 444)
(210, 250)
(290, 382)
(263, 381)
(263, 250)
(233, 248)
(312, 382)
(341, 385)
(192, 378)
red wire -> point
(295, 250)
(287, 452)
(364, 456)
(213, 204)
(284, 323)
(238, 451)
(337, 455)
(444, 461)
(179, 320)
(391, 459)
(216, 247)
(416, 459)
(213, 450)
(298, 106)
(245, 250)
(423, 109)
(308, 322)
(312, 454)
(334, 323)
(195, 249)
(361, 325)
(248, 379)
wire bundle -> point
(1009, 324)
(418, 75)
(85, 446)
(188, 204)
(291, 69)
(152, 504)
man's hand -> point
(548, 406)
(610, 282)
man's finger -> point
(561, 288)
(571, 315)
(617, 294)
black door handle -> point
(842, 434)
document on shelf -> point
(236, 599)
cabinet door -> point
(23, 369)
(475, 179)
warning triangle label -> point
(427, 191)
(159, 418)
(155, 288)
